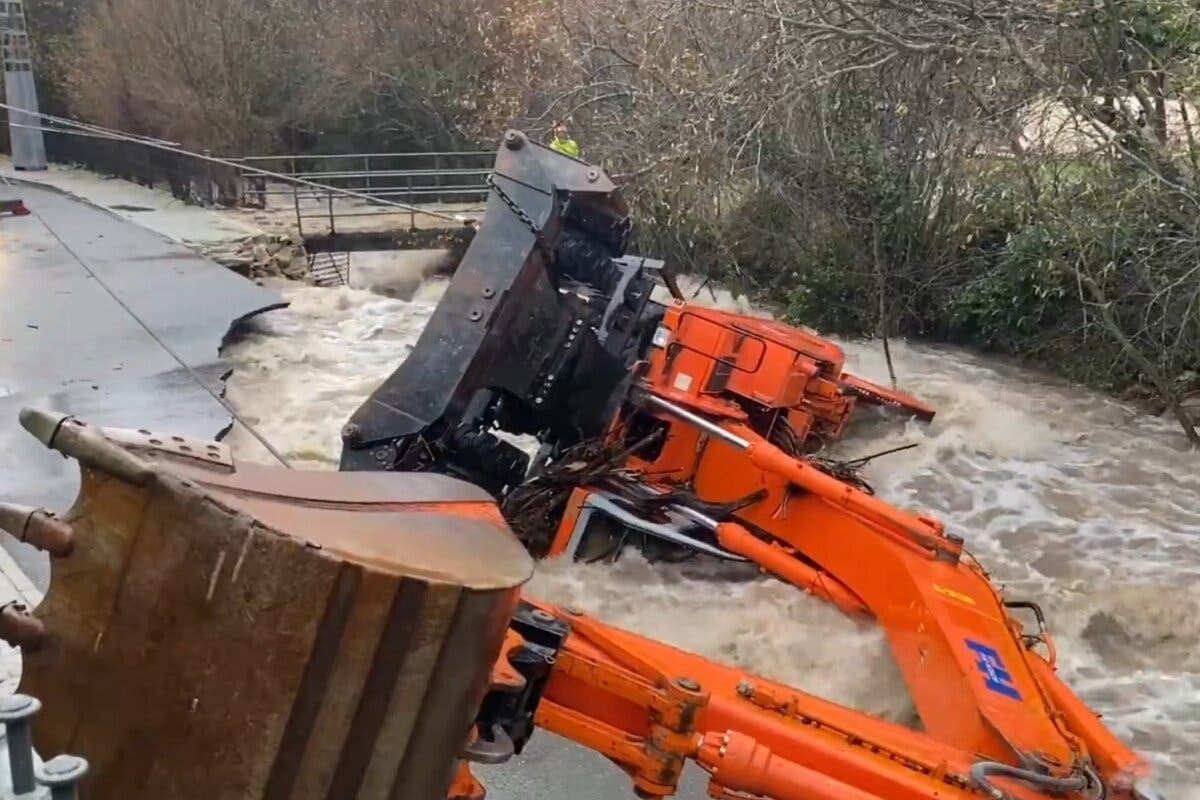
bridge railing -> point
(454, 179)
(433, 188)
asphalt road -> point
(74, 281)
(552, 768)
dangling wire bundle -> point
(850, 471)
(534, 508)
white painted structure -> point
(24, 127)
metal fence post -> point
(412, 212)
(17, 712)
(62, 775)
(331, 228)
(437, 168)
(210, 189)
(367, 170)
(299, 217)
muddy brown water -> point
(1068, 497)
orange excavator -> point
(686, 429)
(362, 634)
(216, 628)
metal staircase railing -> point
(329, 269)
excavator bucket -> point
(223, 630)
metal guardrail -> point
(411, 178)
(26, 774)
(187, 178)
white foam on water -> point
(1068, 497)
(300, 373)
(1078, 502)
(762, 625)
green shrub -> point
(833, 295)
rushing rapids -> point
(1070, 499)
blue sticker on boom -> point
(995, 675)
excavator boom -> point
(220, 629)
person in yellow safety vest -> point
(563, 142)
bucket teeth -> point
(20, 628)
(37, 527)
(88, 445)
(42, 424)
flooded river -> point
(1067, 497)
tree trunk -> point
(881, 283)
(1158, 378)
(1160, 107)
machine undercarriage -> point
(546, 332)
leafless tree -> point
(732, 119)
(223, 74)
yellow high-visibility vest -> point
(568, 147)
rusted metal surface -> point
(312, 635)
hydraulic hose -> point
(983, 771)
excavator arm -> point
(651, 708)
(692, 428)
(978, 679)
(222, 629)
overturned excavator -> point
(670, 425)
(550, 329)
(223, 629)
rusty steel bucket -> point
(217, 629)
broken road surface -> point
(96, 316)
